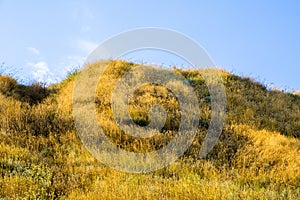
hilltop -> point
(257, 156)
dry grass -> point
(257, 156)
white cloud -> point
(41, 72)
(33, 50)
(86, 46)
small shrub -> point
(33, 93)
(7, 85)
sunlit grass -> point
(257, 156)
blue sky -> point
(260, 39)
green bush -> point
(33, 93)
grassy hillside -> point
(41, 157)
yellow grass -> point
(257, 156)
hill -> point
(41, 156)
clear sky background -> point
(260, 39)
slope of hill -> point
(257, 156)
